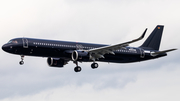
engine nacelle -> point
(56, 62)
(79, 55)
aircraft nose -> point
(5, 47)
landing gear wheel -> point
(77, 69)
(94, 65)
(21, 62)
(22, 58)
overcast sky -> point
(92, 21)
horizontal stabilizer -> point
(161, 52)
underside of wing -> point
(97, 53)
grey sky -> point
(95, 21)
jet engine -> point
(80, 55)
(56, 62)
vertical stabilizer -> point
(154, 39)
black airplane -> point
(59, 53)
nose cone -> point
(5, 47)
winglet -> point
(141, 37)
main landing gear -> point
(21, 62)
(94, 65)
(78, 68)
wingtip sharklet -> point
(142, 36)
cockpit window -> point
(10, 41)
(13, 41)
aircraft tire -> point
(94, 65)
(77, 69)
(21, 62)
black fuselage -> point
(64, 49)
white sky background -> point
(95, 21)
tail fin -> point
(154, 39)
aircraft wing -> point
(97, 53)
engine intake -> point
(79, 55)
(56, 62)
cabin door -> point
(25, 43)
(142, 54)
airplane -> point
(59, 53)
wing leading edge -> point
(99, 52)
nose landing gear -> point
(22, 58)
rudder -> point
(154, 39)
